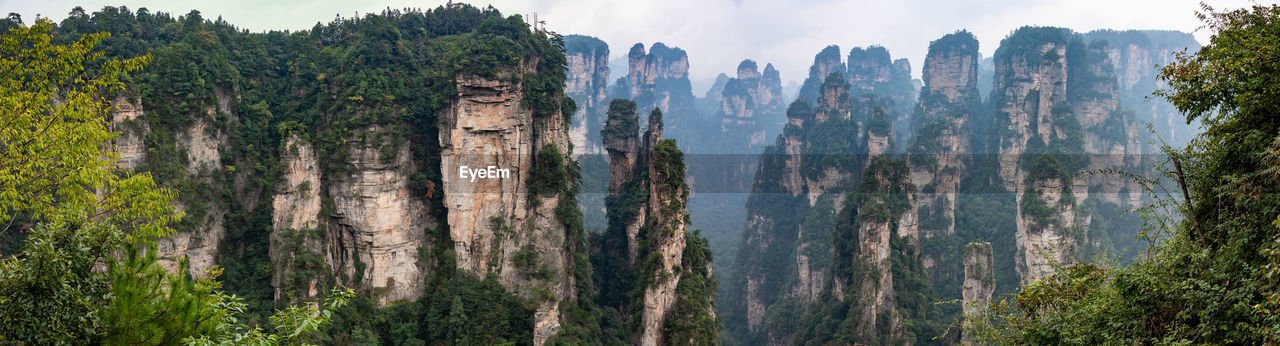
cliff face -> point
(1134, 53)
(626, 157)
(200, 245)
(588, 85)
(371, 235)
(346, 171)
(869, 71)
(1030, 98)
(940, 150)
(296, 231)
(1045, 228)
(659, 78)
(492, 221)
(377, 226)
(665, 232)
(979, 280)
(203, 144)
(872, 70)
(129, 145)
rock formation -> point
(940, 151)
(647, 212)
(376, 227)
(588, 85)
(129, 146)
(830, 136)
(979, 280)
(203, 145)
(199, 245)
(1030, 98)
(626, 157)
(345, 170)
(491, 221)
(659, 78)
(870, 71)
(751, 107)
(881, 210)
(1058, 114)
(296, 230)
(1135, 53)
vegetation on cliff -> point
(86, 271)
(1210, 276)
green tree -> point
(55, 176)
(293, 325)
(151, 306)
(457, 322)
(79, 213)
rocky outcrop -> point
(751, 106)
(587, 84)
(203, 144)
(377, 225)
(659, 78)
(1046, 227)
(821, 152)
(129, 145)
(1134, 53)
(646, 70)
(666, 230)
(872, 70)
(626, 158)
(879, 220)
(979, 280)
(1031, 101)
(825, 62)
(494, 220)
(1058, 114)
(647, 211)
(297, 239)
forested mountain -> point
(327, 158)
(457, 176)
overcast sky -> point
(720, 33)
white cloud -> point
(720, 33)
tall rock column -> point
(1034, 125)
(377, 226)
(880, 210)
(498, 222)
(588, 85)
(979, 281)
(297, 240)
(625, 158)
(940, 151)
(751, 107)
(649, 198)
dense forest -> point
(179, 180)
